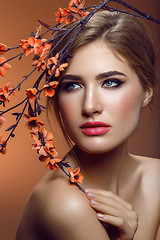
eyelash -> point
(70, 86)
(113, 80)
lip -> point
(95, 128)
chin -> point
(99, 145)
(97, 148)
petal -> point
(28, 52)
(70, 171)
(14, 93)
(40, 122)
(57, 160)
(57, 14)
(76, 171)
(31, 119)
(26, 116)
(53, 84)
(55, 154)
(2, 59)
(51, 166)
(80, 178)
(42, 151)
(38, 42)
(49, 93)
(3, 48)
(3, 71)
(31, 41)
(7, 66)
(2, 120)
(44, 131)
(5, 89)
(54, 59)
(38, 32)
(57, 72)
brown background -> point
(20, 169)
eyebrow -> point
(109, 74)
(98, 77)
(71, 77)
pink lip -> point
(95, 128)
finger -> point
(119, 211)
(116, 221)
(106, 209)
(125, 228)
(109, 194)
(110, 202)
(123, 218)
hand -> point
(115, 211)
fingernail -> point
(87, 190)
(100, 215)
(91, 195)
(93, 202)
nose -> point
(92, 102)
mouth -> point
(95, 128)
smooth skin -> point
(122, 191)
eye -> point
(112, 83)
(69, 86)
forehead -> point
(96, 58)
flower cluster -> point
(74, 12)
(50, 67)
(5, 93)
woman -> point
(109, 80)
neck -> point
(103, 170)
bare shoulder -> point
(149, 169)
(59, 210)
(148, 195)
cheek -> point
(68, 108)
(128, 111)
(130, 104)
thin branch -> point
(19, 55)
(11, 133)
(147, 16)
(9, 109)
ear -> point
(148, 93)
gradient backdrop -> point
(20, 169)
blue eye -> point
(69, 86)
(112, 83)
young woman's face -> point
(100, 99)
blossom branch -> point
(75, 183)
(14, 127)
